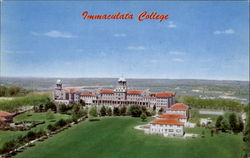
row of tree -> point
(233, 122)
(12, 91)
(13, 144)
(246, 134)
(222, 104)
(133, 110)
(32, 135)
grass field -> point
(12, 104)
(28, 116)
(114, 137)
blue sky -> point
(200, 40)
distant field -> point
(10, 105)
(114, 137)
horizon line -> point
(128, 78)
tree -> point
(3, 91)
(93, 112)
(224, 125)
(116, 111)
(50, 105)
(233, 122)
(50, 115)
(31, 135)
(51, 127)
(203, 133)
(40, 133)
(240, 126)
(161, 110)
(76, 108)
(103, 111)
(135, 111)
(13, 91)
(143, 116)
(41, 108)
(8, 146)
(123, 111)
(109, 112)
(82, 102)
(62, 108)
(143, 109)
(246, 134)
(212, 132)
(61, 123)
(218, 122)
(154, 107)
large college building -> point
(120, 96)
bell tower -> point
(122, 85)
(121, 89)
(59, 84)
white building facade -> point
(171, 123)
(120, 96)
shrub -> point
(103, 111)
(233, 122)
(143, 116)
(50, 115)
(61, 123)
(31, 135)
(93, 112)
(50, 105)
(8, 146)
(116, 111)
(218, 122)
(224, 125)
(123, 111)
(40, 133)
(62, 108)
(135, 110)
(51, 128)
(109, 112)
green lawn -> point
(114, 137)
(10, 135)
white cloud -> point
(178, 60)
(153, 61)
(54, 34)
(120, 35)
(171, 24)
(17, 52)
(136, 48)
(227, 31)
(176, 53)
(102, 54)
(80, 50)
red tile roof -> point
(179, 106)
(87, 95)
(164, 94)
(5, 114)
(136, 92)
(2, 119)
(106, 91)
(173, 116)
(71, 90)
(168, 122)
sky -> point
(199, 40)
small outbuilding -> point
(6, 116)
